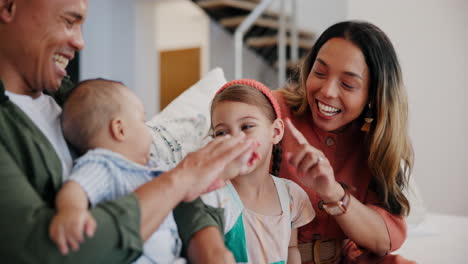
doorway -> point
(179, 69)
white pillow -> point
(418, 210)
(183, 125)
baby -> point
(105, 121)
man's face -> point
(48, 33)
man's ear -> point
(116, 129)
(278, 128)
(7, 10)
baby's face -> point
(137, 135)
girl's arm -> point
(207, 246)
(294, 255)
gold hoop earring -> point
(367, 120)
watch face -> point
(334, 209)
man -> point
(38, 39)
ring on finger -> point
(320, 158)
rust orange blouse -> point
(347, 154)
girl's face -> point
(338, 84)
(232, 118)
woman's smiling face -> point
(338, 84)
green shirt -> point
(30, 177)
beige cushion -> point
(183, 125)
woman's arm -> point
(360, 223)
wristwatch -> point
(339, 207)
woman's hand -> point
(313, 168)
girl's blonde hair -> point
(390, 150)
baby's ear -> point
(7, 10)
(278, 128)
(116, 129)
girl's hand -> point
(313, 168)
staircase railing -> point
(248, 22)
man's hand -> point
(237, 167)
(68, 226)
(223, 158)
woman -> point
(350, 151)
(352, 154)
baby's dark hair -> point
(252, 96)
(89, 108)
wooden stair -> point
(262, 36)
(219, 9)
(262, 22)
(269, 41)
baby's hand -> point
(67, 228)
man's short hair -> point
(89, 109)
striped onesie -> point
(105, 175)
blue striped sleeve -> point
(97, 180)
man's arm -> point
(191, 177)
(26, 218)
(120, 223)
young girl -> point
(262, 212)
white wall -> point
(316, 15)
(97, 58)
(120, 45)
(146, 58)
(181, 24)
(222, 55)
(431, 39)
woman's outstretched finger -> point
(309, 161)
(296, 133)
(297, 157)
